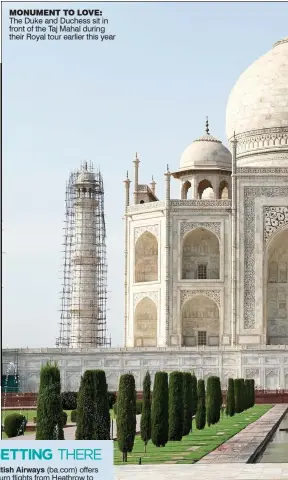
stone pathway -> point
(235, 471)
(244, 445)
(69, 432)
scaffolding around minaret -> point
(84, 290)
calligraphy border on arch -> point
(214, 227)
(187, 294)
(154, 229)
(250, 194)
(140, 295)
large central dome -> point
(257, 110)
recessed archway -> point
(146, 258)
(277, 289)
(185, 188)
(224, 190)
(205, 190)
(200, 255)
(200, 322)
(145, 324)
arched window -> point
(200, 322)
(185, 188)
(202, 187)
(200, 255)
(224, 190)
(277, 289)
(145, 324)
(141, 201)
(146, 258)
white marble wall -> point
(267, 365)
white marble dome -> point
(206, 153)
(257, 109)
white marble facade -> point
(206, 275)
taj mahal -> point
(206, 274)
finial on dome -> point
(85, 166)
(127, 174)
(207, 126)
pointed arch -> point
(146, 258)
(200, 321)
(185, 188)
(277, 288)
(205, 186)
(224, 190)
(200, 255)
(145, 323)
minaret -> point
(84, 314)
(127, 202)
(153, 186)
(167, 252)
(136, 175)
(234, 240)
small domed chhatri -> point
(257, 110)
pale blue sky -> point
(149, 90)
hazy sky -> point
(149, 90)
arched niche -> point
(200, 255)
(185, 188)
(224, 190)
(145, 323)
(146, 258)
(277, 289)
(200, 322)
(205, 189)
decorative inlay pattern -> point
(274, 218)
(140, 295)
(262, 140)
(188, 226)
(200, 203)
(154, 229)
(259, 171)
(250, 194)
(143, 207)
(186, 294)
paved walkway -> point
(243, 446)
(235, 471)
(69, 432)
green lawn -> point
(193, 446)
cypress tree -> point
(126, 414)
(49, 424)
(201, 406)
(230, 400)
(187, 403)
(247, 393)
(86, 407)
(101, 406)
(175, 421)
(213, 400)
(242, 394)
(252, 392)
(194, 395)
(237, 391)
(145, 426)
(159, 411)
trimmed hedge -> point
(86, 407)
(111, 399)
(139, 407)
(102, 412)
(126, 414)
(145, 424)
(200, 418)
(159, 410)
(237, 391)
(213, 400)
(74, 416)
(187, 403)
(64, 418)
(194, 395)
(230, 399)
(176, 409)
(69, 400)
(15, 425)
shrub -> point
(139, 407)
(101, 407)
(49, 424)
(64, 418)
(15, 425)
(230, 399)
(194, 395)
(69, 400)
(111, 399)
(252, 392)
(175, 419)
(213, 400)
(237, 391)
(159, 410)
(187, 403)
(242, 394)
(126, 414)
(86, 407)
(201, 406)
(115, 409)
(145, 425)
(74, 416)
